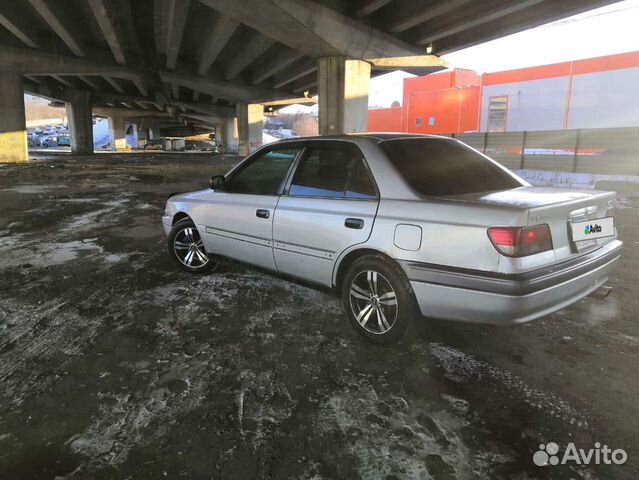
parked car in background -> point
(56, 141)
(152, 145)
(401, 225)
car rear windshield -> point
(442, 167)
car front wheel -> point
(186, 248)
(378, 299)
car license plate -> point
(593, 229)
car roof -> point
(374, 136)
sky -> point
(604, 31)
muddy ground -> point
(115, 364)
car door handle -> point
(262, 213)
(356, 223)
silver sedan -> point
(402, 226)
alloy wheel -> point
(373, 302)
(189, 248)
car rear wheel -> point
(186, 247)
(378, 299)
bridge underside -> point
(216, 63)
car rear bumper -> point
(482, 297)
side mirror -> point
(217, 182)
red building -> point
(600, 92)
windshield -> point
(442, 167)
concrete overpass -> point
(217, 62)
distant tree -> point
(306, 126)
(396, 104)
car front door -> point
(238, 220)
(329, 205)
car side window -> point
(332, 172)
(264, 175)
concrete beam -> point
(475, 21)
(113, 82)
(104, 15)
(46, 89)
(306, 86)
(217, 38)
(126, 112)
(141, 86)
(278, 62)
(90, 82)
(229, 90)
(304, 70)
(59, 25)
(178, 12)
(79, 116)
(313, 29)
(256, 46)
(292, 101)
(34, 79)
(370, 6)
(161, 24)
(18, 26)
(425, 14)
(36, 62)
(210, 120)
(418, 65)
(13, 128)
(114, 98)
(62, 80)
(206, 109)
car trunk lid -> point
(560, 209)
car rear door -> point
(328, 205)
(238, 220)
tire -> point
(186, 248)
(378, 299)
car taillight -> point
(521, 241)
(610, 211)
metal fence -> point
(610, 151)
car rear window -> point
(442, 167)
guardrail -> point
(608, 151)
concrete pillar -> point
(343, 86)
(117, 127)
(13, 128)
(250, 119)
(227, 136)
(136, 139)
(231, 136)
(143, 136)
(79, 116)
